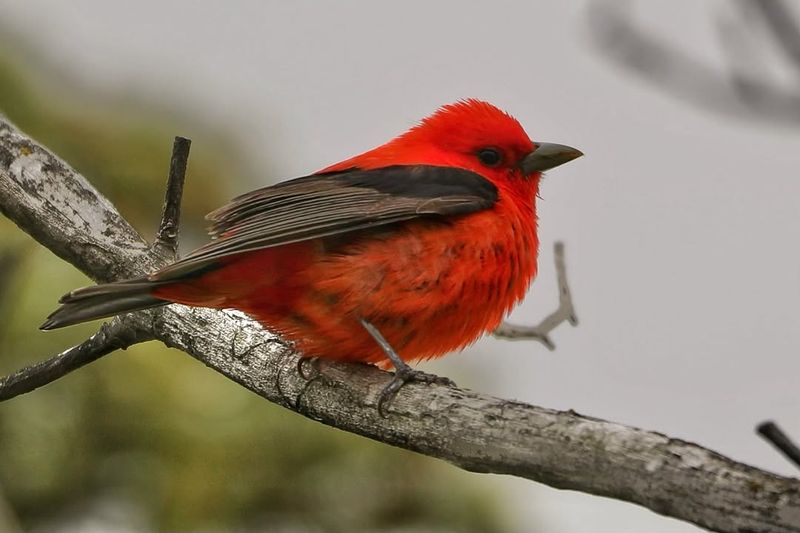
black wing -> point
(321, 205)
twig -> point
(772, 433)
(118, 334)
(112, 336)
(744, 59)
(670, 69)
(167, 236)
(564, 313)
(783, 26)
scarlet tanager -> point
(406, 252)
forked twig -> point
(116, 334)
(564, 313)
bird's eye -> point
(490, 156)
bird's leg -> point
(402, 372)
(564, 313)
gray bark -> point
(62, 211)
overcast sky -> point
(681, 225)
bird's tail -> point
(100, 301)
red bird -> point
(406, 252)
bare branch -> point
(784, 27)
(564, 313)
(35, 164)
(672, 70)
(490, 435)
(476, 432)
(744, 58)
(772, 433)
(111, 337)
(167, 236)
(61, 210)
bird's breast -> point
(430, 287)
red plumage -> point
(430, 237)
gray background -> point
(681, 225)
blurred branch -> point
(783, 26)
(62, 211)
(674, 71)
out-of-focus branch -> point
(479, 433)
(783, 25)
(674, 71)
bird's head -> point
(470, 134)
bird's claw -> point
(403, 375)
(310, 377)
(313, 363)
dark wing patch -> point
(329, 204)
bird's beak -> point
(548, 155)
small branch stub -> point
(166, 240)
(772, 433)
(118, 333)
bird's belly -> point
(429, 289)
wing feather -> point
(323, 205)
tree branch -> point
(783, 26)
(112, 336)
(668, 68)
(772, 433)
(480, 433)
(167, 235)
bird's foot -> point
(405, 374)
(402, 372)
(308, 368)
